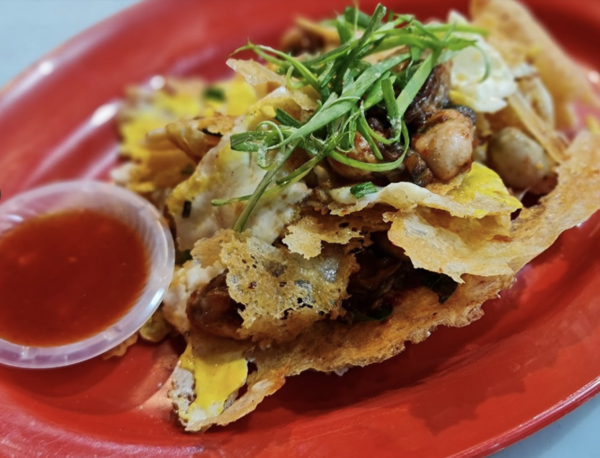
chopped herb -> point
(355, 16)
(365, 130)
(188, 170)
(249, 141)
(361, 190)
(214, 93)
(286, 119)
(394, 116)
(413, 86)
(187, 209)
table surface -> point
(31, 28)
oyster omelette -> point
(354, 190)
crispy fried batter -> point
(438, 242)
(183, 392)
(330, 346)
(122, 348)
(454, 246)
(282, 292)
(541, 131)
(258, 389)
(306, 236)
(521, 114)
(333, 346)
(574, 200)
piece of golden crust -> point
(438, 242)
(305, 237)
(519, 38)
(282, 292)
(333, 346)
(575, 199)
(122, 348)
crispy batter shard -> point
(574, 200)
(122, 348)
(441, 243)
(520, 38)
(333, 346)
(196, 401)
(282, 293)
(308, 35)
(307, 235)
(438, 242)
(539, 129)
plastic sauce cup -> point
(123, 205)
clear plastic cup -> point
(116, 202)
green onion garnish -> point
(348, 86)
(285, 118)
(214, 93)
(361, 190)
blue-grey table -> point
(30, 28)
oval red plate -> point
(463, 392)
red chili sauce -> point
(67, 276)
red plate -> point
(463, 392)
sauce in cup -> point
(67, 276)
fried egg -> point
(207, 378)
(157, 168)
(224, 174)
(467, 84)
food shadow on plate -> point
(453, 356)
